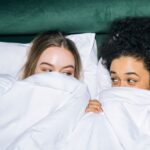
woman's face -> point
(56, 59)
(129, 72)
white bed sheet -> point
(49, 100)
(57, 120)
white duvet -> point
(46, 112)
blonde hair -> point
(41, 43)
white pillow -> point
(13, 57)
(103, 77)
(87, 47)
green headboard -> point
(22, 19)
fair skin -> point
(56, 59)
(52, 60)
(125, 71)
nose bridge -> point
(57, 69)
(123, 83)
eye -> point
(68, 73)
(115, 81)
(46, 70)
(131, 81)
(50, 70)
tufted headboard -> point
(20, 20)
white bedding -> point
(29, 107)
(124, 125)
(47, 113)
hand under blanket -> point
(124, 124)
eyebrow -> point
(128, 73)
(68, 66)
(45, 63)
(132, 73)
(113, 72)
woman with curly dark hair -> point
(126, 54)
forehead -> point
(126, 64)
(57, 55)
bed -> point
(29, 122)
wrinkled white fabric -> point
(103, 77)
(47, 113)
(128, 112)
(124, 125)
(40, 111)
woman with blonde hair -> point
(51, 51)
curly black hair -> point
(127, 37)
